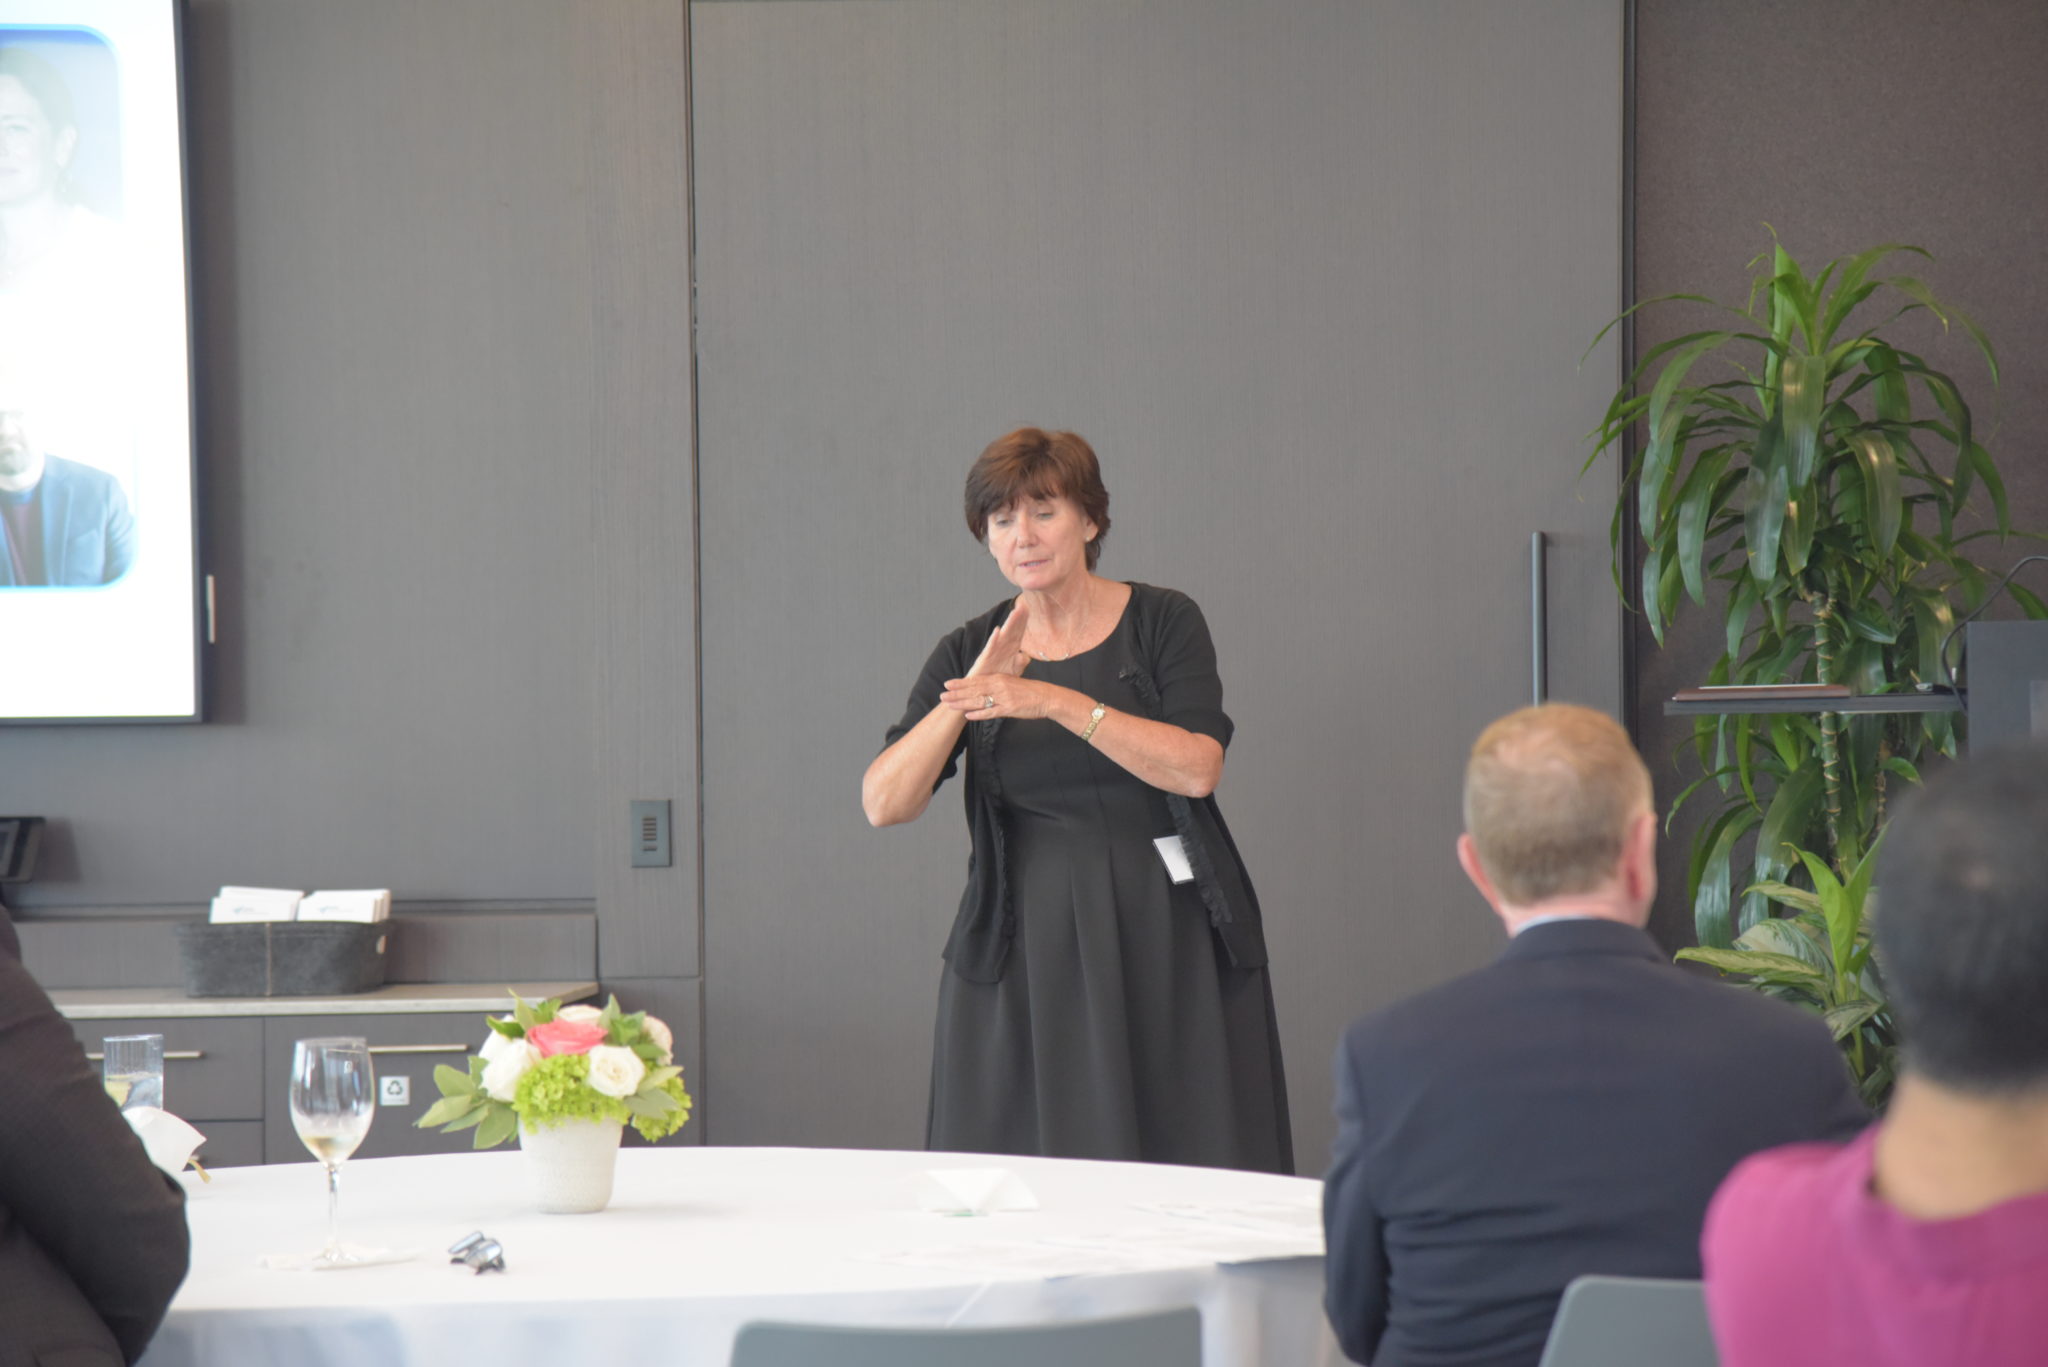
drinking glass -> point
(333, 1097)
(133, 1070)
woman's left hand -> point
(985, 697)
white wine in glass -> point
(334, 1096)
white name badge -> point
(1175, 856)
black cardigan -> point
(980, 941)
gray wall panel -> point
(1311, 278)
(644, 480)
(392, 253)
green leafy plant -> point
(1819, 957)
(1818, 477)
(548, 1064)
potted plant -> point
(566, 1079)
(1822, 479)
(1819, 957)
(1812, 481)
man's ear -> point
(1468, 860)
(1639, 860)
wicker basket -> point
(282, 958)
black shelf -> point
(1875, 702)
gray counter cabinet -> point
(227, 1062)
(213, 1077)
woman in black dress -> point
(1106, 993)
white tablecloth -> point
(697, 1242)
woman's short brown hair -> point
(1034, 463)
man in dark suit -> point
(61, 523)
(92, 1235)
(1567, 1109)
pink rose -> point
(564, 1037)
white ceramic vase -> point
(569, 1166)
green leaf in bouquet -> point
(657, 1076)
(475, 1117)
(450, 1111)
(499, 1124)
(509, 1028)
(454, 1082)
(651, 1104)
(447, 1109)
(525, 1015)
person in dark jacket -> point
(1567, 1109)
(93, 1241)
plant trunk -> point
(1884, 754)
(1830, 734)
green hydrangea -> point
(653, 1127)
(555, 1091)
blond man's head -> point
(1552, 794)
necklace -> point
(1078, 633)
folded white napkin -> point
(169, 1141)
(366, 905)
(353, 1255)
(973, 1191)
(256, 904)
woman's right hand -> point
(1004, 653)
(898, 784)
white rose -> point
(579, 1012)
(659, 1033)
(495, 1044)
(615, 1071)
(502, 1073)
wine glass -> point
(333, 1097)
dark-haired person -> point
(62, 524)
(92, 1236)
(1926, 1239)
(1567, 1109)
(1107, 993)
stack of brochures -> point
(234, 904)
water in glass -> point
(133, 1071)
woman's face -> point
(1040, 543)
(33, 155)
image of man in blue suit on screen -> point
(62, 524)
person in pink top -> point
(1924, 1241)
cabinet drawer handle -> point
(419, 1048)
(169, 1054)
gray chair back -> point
(1631, 1321)
(1170, 1338)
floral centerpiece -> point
(548, 1064)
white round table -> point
(697, 1242)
